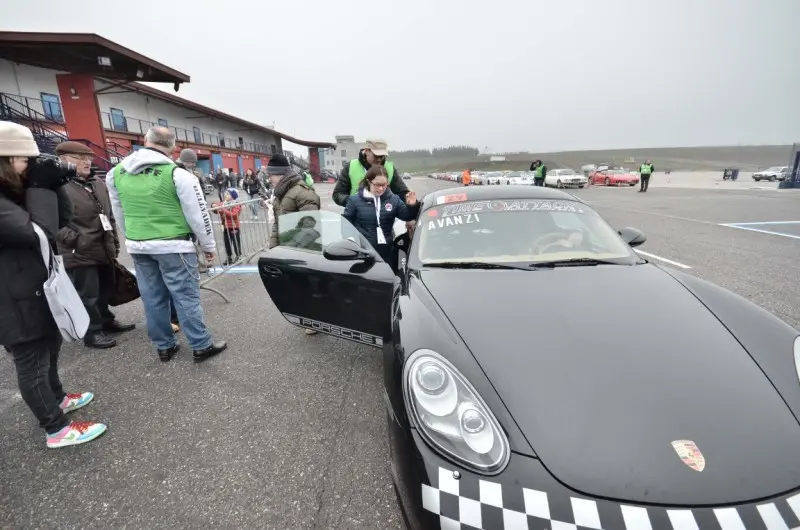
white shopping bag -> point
(65, 303)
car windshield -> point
(521, 230)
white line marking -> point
(657, 214)
(764, 223)
(665, 260)
(770, 232)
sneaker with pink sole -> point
(77, 432)
(75, 401)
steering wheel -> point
(558, 239)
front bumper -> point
(526, 496)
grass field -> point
(746, 158)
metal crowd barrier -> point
(234, 248)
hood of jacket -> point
(369, 196)
(289, 180)
(140, 160)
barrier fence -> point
(235, 246)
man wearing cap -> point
(290, 194)
(374, 152)
(89, 245)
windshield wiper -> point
(476, 265)
(575, 262)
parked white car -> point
(520, 178)
(565, 178)
(772, 174)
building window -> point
(241, 141)
(52, 107)
(162, 122)
(221, 138)
(198, 136)
(118, 121)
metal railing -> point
(140, 127)
(33, 108)
(242, 232)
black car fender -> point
(766, 338)
(418, 322)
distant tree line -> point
(454, 151)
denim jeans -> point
(37, 374)
(161, 276)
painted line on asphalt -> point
(760, 231)
(764, 223)
(665, 260)
(633, 210)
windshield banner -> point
(524, 205)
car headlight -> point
(451, 416)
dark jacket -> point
(84, 242)
(360, 211)
(24, 313)
(341, 191)
(291, 195)
(251, 185)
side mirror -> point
(346, 250)
(632, 236)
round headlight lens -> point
(432, 378)
(475, 429)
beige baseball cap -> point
(378, 147)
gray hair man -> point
(161, 211)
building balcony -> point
(126, 124)
(31, 108)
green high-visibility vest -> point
(151, 204)
(538, 172)
(357, 174)
(309, 179)
(646, 169)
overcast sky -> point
(533, 75)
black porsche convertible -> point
(540, 375)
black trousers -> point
(233, 242)
(37, 374)
(94, 285)
(538, 182)
(645, 182)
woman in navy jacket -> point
(374, 209)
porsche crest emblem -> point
(690, 454)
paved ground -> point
(288, 431)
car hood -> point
(604, 367)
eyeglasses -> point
(376, 185)
(83, 158)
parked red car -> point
(614, 177)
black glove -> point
(47, 174)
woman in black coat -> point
(31, 192)
(373, 210)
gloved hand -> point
(47, 174)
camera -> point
(67, 170)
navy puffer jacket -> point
(360, 211)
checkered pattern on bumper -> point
(470, 503)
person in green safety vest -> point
(539, 172)
(645, 170)
(161, 210)
(374, 152)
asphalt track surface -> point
(288, 431)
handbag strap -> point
(44, 247)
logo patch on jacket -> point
(388, 207)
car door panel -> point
(349, 299)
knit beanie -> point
(16, 140)
(188, 157)
(278, 165)
(234, 193)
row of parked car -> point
(555, 178)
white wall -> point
(28, 81)
(150, 109)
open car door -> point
(325, 276)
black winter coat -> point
(360, 211)
(24, 313)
